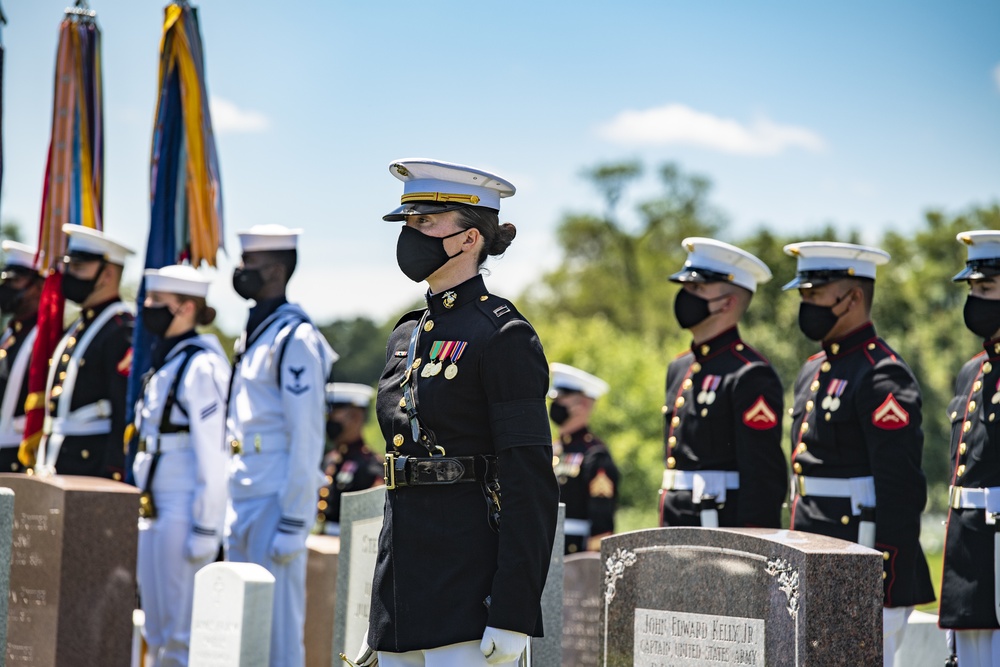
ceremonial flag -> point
(73, 190)
(185, 192)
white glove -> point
(286, 546)
(500, 646)
(366, 656)
(200, 547)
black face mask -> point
(420, 255)
(691, 309)
(558, 413)
(982, 316)
(77, 289)
(248, 282)
(10, 298)
(157, 319)
(333, 429)
(817, 321)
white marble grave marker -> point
(231, 620)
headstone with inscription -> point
(581, 633)
(231, 616)
(680, 597)
(72, 573)
(321, 598)
(6, 535)
(360, 524)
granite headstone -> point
(581, 635)
(701, 596)
(231, 616)
(6, 535)
(321, 598)
(72, 573)
(547, 650)
(360, 524)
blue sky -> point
(859, 114)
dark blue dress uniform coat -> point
(103, 374)
(873, 429)
(967, 595)
(439, 559)
(588, 483)
(348, 467)
(12, 347)
(739, 429)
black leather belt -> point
(401, 471)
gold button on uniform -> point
(65, 358)
(871, 346)
(987, 367)
(962, 447)
(483, 298)
(3, 353)
(679, 402)
(705, 349)
(993, 416)
(972, 406)
(966, 426)
(117, 476)
(416, 363)
(428, 325)
(675, 421)
(671, 463)
(322, 505)
(672, 440)
(397, 440)
(402, 402)
(85, 454)
(802, 447)
(885, 555)
(977, 385)
(324, 492)
(814, 386)
(687, 383)
(835, 348)
(825, 367)
(804, 428)
(797, 467)
(696, 367)
(827, 416)
(56, 391)
(954, 414)
(665, 409)
(809, 406)
(739, 347)
(845, 519)
(961, 470)
(884, 575)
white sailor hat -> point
(177, 279)
(349, 393)
(984, 255)
(19, 255)
(567, 378)
(86, 243)
(712, 261)
(269, 237)
(432, 186)
(822, 262)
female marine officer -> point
(471, 505)
(181, 464)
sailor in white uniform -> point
(20, 290)
(276, 431)
(181, 463)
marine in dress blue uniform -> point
(20, 290)
(180, 466)
(723, 463)
(587, 474)
(472, 500)
(349, 465)
(857, 442)
(88, 377)
(275, 431)
(969, 604)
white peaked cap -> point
(715, 261)
(177, 279)
(350, 393)
(567, 378)
(19, 254)
(85, 239)
(822, 262)
(433, 186)
(269, 237)
(983, 247)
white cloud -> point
(229, 118)
(679, 124)
(996, 75)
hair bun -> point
(507, 232)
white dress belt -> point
(167, 442)
(684, 480)
(960, 497)
(577, 527)
(13, 437)
(860, 490)
(93, 419)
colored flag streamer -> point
(3, 23)
(185, 192)
(73, 190)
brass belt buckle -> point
(955, 497)
(389, 470)
(800, 485)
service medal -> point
(708, 386)
(455, 354)
(433, 366)
(825, 403)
